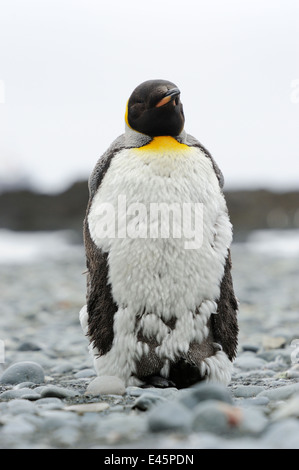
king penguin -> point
(159, 312)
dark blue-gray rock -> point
(29, 346)
(23, 372)
(55, 391)
(205, 391)
(169, 416)
(250, 347)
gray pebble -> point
(51, 403)
(85, 373)
(245, 391)
(212, 416)
(253, 422)
(55, 391)
(134, 391)
(25, 393)
(117, 427)
(280, 393)
(23, 372)
(169, 416)
(62, 368)
(276, 354)
(287, 409)
(250, 347)
(18, 425)
(277, 365)
(259, 401)
(24, 385)
(293, 372)
(248, 361)
(66, 436)
(29, 346)
(255, 373)
(106, 385)
(205, 391)
(55, 419)
(283, 435)
(20, 406)
(170, 392)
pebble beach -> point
(50, 397)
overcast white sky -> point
(69, 66)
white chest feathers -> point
(163, 219)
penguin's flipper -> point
(102, 166)
(100, 304)
(193, 142)
(224, 323)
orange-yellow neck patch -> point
(164, 144)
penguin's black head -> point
(154, 108)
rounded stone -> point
(25, 393)
(216, 417)
(55, 391)
(147, 401)
(23, 372)
(205, 391)
(85, 373)
(88, 408)
(169, 416)
(106, 385)
(245, 391)
(280, 393)
(249, 362)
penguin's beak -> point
(169, 96)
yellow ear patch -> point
(126, 115)
(164, 144)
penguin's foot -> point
(157, 381)
(184, 374)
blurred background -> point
(67, 68)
